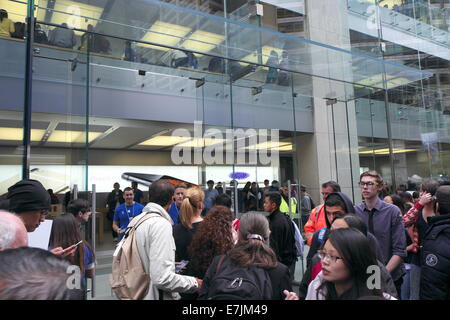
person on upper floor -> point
(39, 35)
(6, 25)
(316, 220)
(63, 37)
(384, 221)
(273, 63)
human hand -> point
(69, 251)
(290, 295)
(199, 283)
(425, 198)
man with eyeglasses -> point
(384, 221)
(30, 201)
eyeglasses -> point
(368, 184)
(324, 255)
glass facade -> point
(224, 90)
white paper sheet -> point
(40, 237)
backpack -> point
(128, 280)
(234, 283)
(312, 203)
(299, 241)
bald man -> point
(13, 233)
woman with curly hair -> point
(213, 237)
(251, 254)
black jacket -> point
(113, 197)
(282, 238)
(316, 242)
(279, 278)
(435, 274)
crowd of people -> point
(63, 36)
(193, 247)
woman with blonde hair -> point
(190, 219)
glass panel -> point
(12, 88)
(173, 26)
(373, 146)
(59, 154)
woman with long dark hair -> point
(355, 222)
(347, 259)
(65, 233)
(251, 255)
(396, 201)
(214, 237)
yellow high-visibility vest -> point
(285, 208)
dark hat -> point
(28, 195)
(443, 195)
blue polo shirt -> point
(174, 213)
(138, 195)
(124, 214)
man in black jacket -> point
(435, 276)
(282, 238)
(115, 198)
